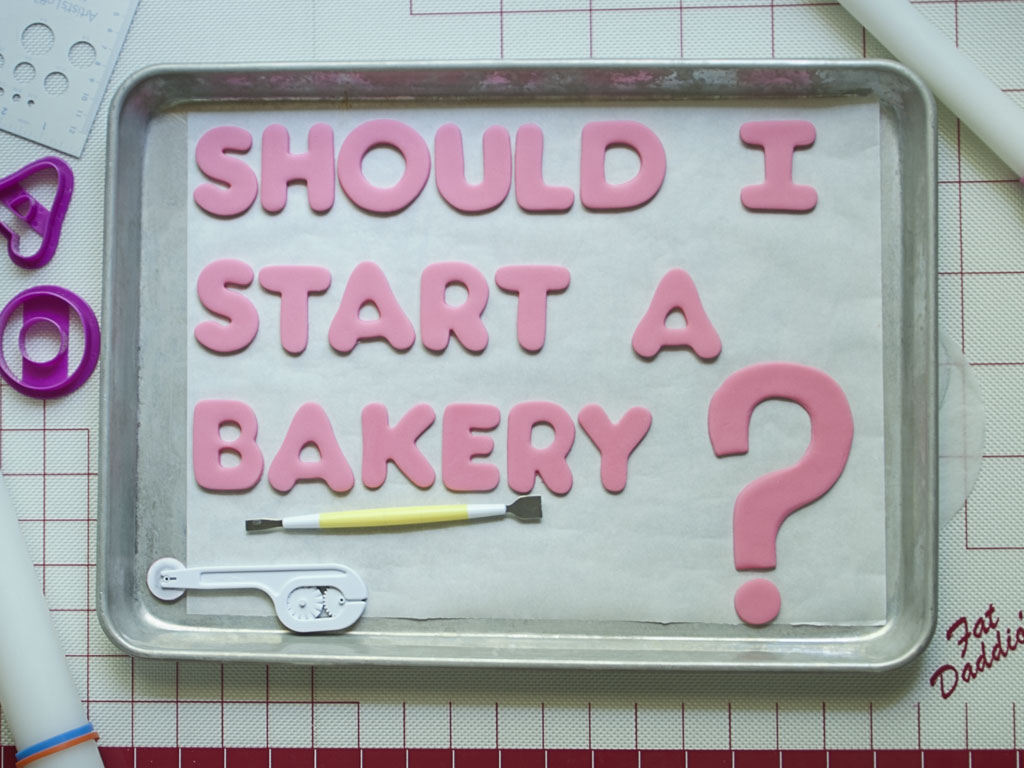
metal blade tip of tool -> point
(525, 508)
(262, 525)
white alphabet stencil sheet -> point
(803, 288)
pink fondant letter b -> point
(208, 446)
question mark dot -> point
(757, 602)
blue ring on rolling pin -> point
(54, 741)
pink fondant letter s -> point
(239, 180)
(243, 319)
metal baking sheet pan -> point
(145, 466)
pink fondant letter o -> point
(376, 133)
(208, 445)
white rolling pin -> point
(954, 78)
(42, 707)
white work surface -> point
(158, 712)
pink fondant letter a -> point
(368, 285)
(310, 426)
(676, 291)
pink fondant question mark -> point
(764, 504)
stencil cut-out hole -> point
(24, 72)
(56, 83)
(229, 457)
(82, 55)
(310, 452)
(37, 39)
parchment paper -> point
(804, 288)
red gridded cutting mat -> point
(190, 714)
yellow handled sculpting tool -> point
(524, 508)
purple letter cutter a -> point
(45, 222)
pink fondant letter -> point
(376, 133)
(280, 167)
(239, 179)
(310, 426)
(533, 283)
(208, 446)
(383, 443)
(243, 319)
(549, 463)
(615, 441)
(676, 291)
(779, 138)
(450, 169)
(595, 191)
(460, 442)
(532, 193)
(294, 282)
(439, 319)
(368, 285)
